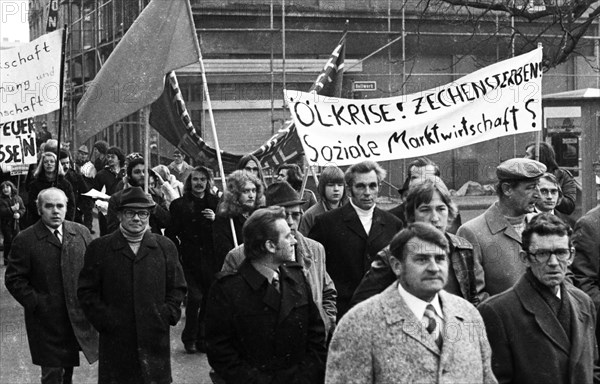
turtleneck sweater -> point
(133, 239)
(365, 216)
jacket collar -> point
(43, 233)
(350, 218)
(400, 318)
(497, 223)
(119, 243)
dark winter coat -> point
(193, 234)
(132, 300)
(42, 276)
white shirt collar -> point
(60, 230)
(417, 306)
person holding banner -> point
(353, 234)
(244, 194)
(12, 209)
(49, 174)
(496, 234)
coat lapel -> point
(497, 223)
(353, 222)
(453, 322)
(579, 317)
(547, 321)
(120, 246)
(377, 226)
(291, 289)
(401, 320)
(44, 234)
(147, 246)
(271, 298)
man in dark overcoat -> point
(262, 325)
(131, 288)
(353, 234)
(542, 329)
(42, 273)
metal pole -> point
(283, 48)
(61, 88)
(272, 74)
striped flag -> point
(170, 118)
(285, 146)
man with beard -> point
(131, 288)
(136, 173)
(192, 217)
(496, 234)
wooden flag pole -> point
(538, 134)
(61, 95)
(214, 132)
(146, 113)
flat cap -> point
(520, 168)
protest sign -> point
(17, 142)
(30, 78)
(499, 100)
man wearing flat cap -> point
(496, 234)
(131, 288)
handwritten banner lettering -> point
(499, 100)
(17, 142)
(30, 78)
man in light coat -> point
(308, 253)
(131, 288)
(496, 233)
(43, 267)
(414, 331)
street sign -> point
(364, 86)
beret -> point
(520, 169)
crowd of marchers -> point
(282, 285)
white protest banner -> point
(17, 142)
(30, 78)
(499, 100)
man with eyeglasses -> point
(307, 253)
(550, 197)
(131, 288)
(353, 234)
(542, 329)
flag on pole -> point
(285, 146)
(52, 21)
(162, 39)
(170, 118)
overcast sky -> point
(13, 14)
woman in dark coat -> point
(11, 211)
(243, 196)
(49, 174)
(192, 217)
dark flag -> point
(170, 118)
(52, 16)
(285, 146)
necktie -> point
(57, 234)
(429, 317)
(275, 283)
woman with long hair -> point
(567, 183)
(244, 194)
(250, 163)
(48, 174)
(12, 209)
(331, 195)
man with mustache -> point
(414, 331)
(353, 234)
(496, 234)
